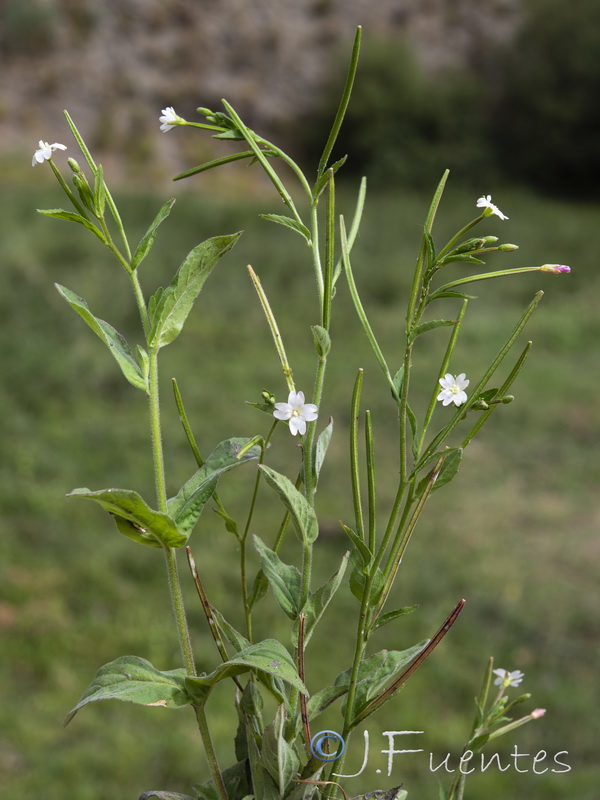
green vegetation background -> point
(515, 534)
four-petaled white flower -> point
(44, 152)
(453, 389)
(297, 412)
(506, 678)
(486, 202)
(169, 119)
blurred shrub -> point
(26, 25)
(406, 125)
(547, 119)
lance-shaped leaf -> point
(187, 505)
(447, 472)
(315, 606)
(71, 216)
(176, 301)
(321, 447)
(135, 680)
(302, 513)
(375, 672)
(285, 579)
(289, 222)
(429, 326)
(268, 656)
(111, 338)
(161, 795)
(128, 505)
(148, 238)
(278, 757)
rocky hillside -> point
(115, 63)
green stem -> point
(67, 189)
(459, 236)
(211, 756)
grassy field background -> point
(516, 533)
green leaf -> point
(285, 580)
(278, 757)
(99, 192)
(323, 699)
(392, 615)
(302, 513)
(229, 632)
(461, 257)
(148, 238)
(315, 606)
(135, 680)
(125, 504)
(230, 524)
(71, 216)
(268, 656)
(263, 786)
(175, 303)
(438, 295)
(322, 340)
(396, 793)
(358, 579)
(111, 338)
(448, 470)
(364, 552)
(429, 326)
(324, 179)
(217, 162)
(398, 380)
(321, 447)
(375, 672)
(188, 504)
(288, 222)
(165, 796)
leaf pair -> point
(134, 517)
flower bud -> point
(490, 240)
(508, 248)
(508, 398)
(555, 269)
(74, 165)
(268, 397)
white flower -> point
(453, 389)
(44, 152)
(506, 678)
(486, 202)
(169, 119)
(297, 411)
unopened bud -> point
(537, 713)
(74, 165)
(508, 248)
(555, 269)
(490, 239)
(480, 405)
(508, 398)
(268, 397)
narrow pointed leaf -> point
(128, 505)
(365, 554)
(134, 680)
(217, 162)
(429, 326)
(392, 615)
(268, 656)
(285, 580)
(229, 632)
(111, 338)
(148, 238)
(358, 578)
(176, 302)
(187, 506)
(315, 606)
(448, 470)
(321, 447)
(323, 699)
(302, 513)
(288, 222)
(278, 757)
(71, 216)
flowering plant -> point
(281, 758)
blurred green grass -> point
(516, 534)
